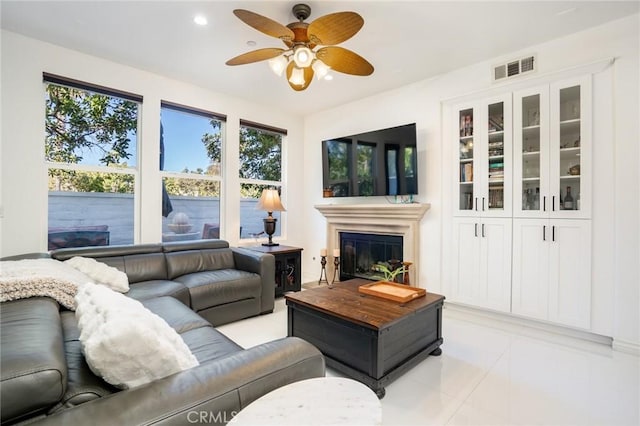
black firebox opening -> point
(359, 252)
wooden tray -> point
(392, 291)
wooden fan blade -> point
(255, 56)
(344, 61)
(334, 28)
(308, 77)
(264, 24)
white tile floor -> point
(497, 375)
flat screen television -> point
(376, 163)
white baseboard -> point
(625, 346)
(530, 327)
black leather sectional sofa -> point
(192, 286)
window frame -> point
(48, 79)
(200, 177)
(279, 185)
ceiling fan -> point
(310, 46)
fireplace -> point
(402, 220)
(359, 252)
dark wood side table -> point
(288, 266)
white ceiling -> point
(406, 41)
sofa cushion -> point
(33, 368)
(144, 290)
(212, 288)
(207, 344)
(178, 316)
(125, 343)
(140, 267)
(186, 262)
(82, 384)
(101, 273)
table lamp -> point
(270, 202)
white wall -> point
(616, 160)
(23, 226)
(616, 270)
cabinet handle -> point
(544, 203)
(483, 206)
(544, 232)
(476, 205)
(553, 203)
(475, 229)
(553, 233)
(483, 230)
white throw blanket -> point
(20, 279)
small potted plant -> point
(389, 274)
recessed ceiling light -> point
(251, 43)
(200, 19)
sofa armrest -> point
(263, 264)
(213, 392)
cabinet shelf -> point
(496, 157)
(466, 138)
(567, 153)
(466, 160)
(530, 153)
(466, 183)
(569, 177)
(530, 179)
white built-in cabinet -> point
(482, 228)
(552, 270)
(522, 203)
(482, 262)
(483, 158)
(552, 150)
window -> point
(190, 165)
(91, 155)
(260, 168)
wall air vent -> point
(514, 68)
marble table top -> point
(319, 401)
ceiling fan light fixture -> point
(297, 77)
(311, 48)
(320, 68)
(278, 64)
(302, 56)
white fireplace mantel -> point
(384, 219)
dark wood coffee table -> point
(370, 339)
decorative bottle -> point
(568, 200)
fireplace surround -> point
(382, 219)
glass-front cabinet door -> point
(484, 158)
(552, 150)
(570, 144)
(497, 157)
(531, 148)
(465, 160)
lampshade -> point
(297, 76)
(270, 201)
(278, 64)
(320, 68)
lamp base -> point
(270, 244)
